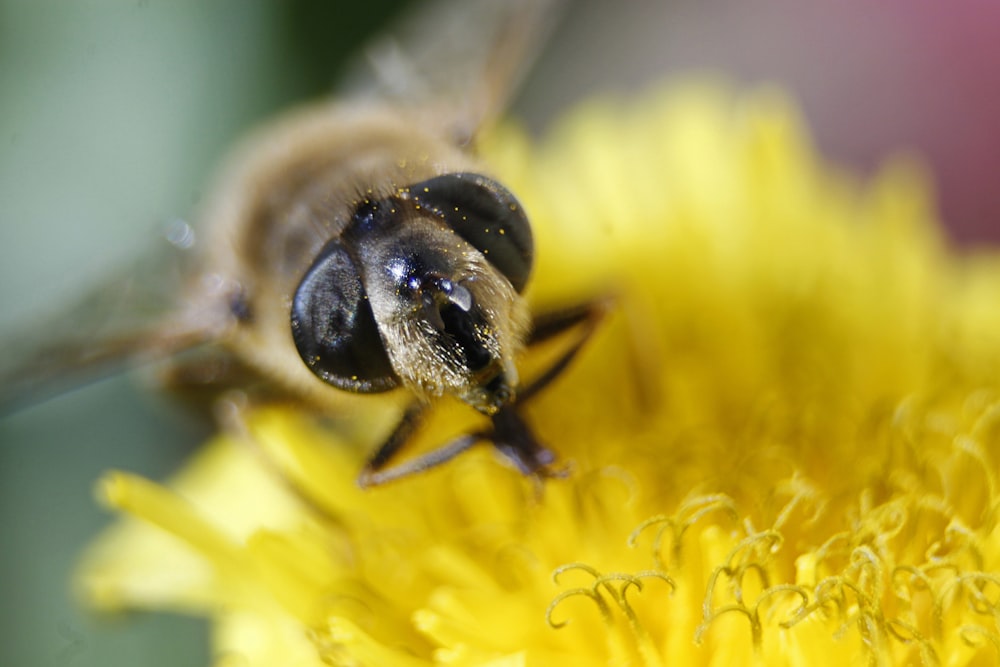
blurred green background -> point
(113, 116)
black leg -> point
(374, 477)
(587, 316)
(513, 438)
(510, 435)
(400, 435)
(553, 323)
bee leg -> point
(404, 429)
(443, 454)
(587, 316)
(510, 435)
(553, 323)
(513, 438)
(375, 472)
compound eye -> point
(334, 328)
(487, 216)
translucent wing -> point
(461, 59)
(144, 311)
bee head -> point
(437, 271)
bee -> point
(357, 246)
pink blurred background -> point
(873, 77)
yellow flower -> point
(783, 443)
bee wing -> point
(141, 313)
(462, 59)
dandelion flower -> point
(783, 442)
